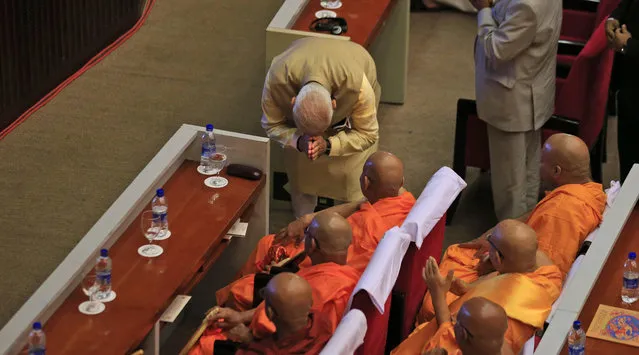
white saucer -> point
(331, 4)
(112, 295)
(150, 251)
(325, 14)
(97, 308)
(216, 182)
(164, 236)
(200, 169)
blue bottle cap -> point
(209, 127)
(104, 253)
(37, 326)
(576, 325)
(632, 255)
(160, 192)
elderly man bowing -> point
(320, 103)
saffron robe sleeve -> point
(564, 218)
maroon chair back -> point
(584, 93)
(409, 289)
(577, 25)
(375, 339)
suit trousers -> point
(514, 166)
(628, 129)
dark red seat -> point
(410, 288)
(377, 324)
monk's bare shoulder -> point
(543, 259)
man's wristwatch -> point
(328, 147)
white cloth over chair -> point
(612, 191)
(348, 336)
(381, 273)
(440, 192)
(529, 347)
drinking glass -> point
(218, 159)
(90, 288)
(151, 226)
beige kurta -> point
(347, 70)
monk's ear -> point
(367, 183)
(293, 101)
(557, 170)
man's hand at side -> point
(481, 4)
(611, 26)
(621, 38)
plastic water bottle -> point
(37, 340)
(576, 340)
(103, 274)
(208, 148)
(630, 288)
(160, 208)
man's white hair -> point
(313, 109)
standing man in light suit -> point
(515, 63)
(320, 103)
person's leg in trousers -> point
(533, 161)
(627, 130)
(508, 172)
(303, 204)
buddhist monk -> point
(320, 103)
(288, 301)
(562, 220)
(525, 285)
(386, 205)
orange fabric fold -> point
(564, 218)
(332, 286)
(369, 224)
(526, 298)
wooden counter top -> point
(145, 287)
(607, 289)
(364, 18)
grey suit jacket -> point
(515, 63)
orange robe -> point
(369, 224)
(332, 286)
(526, 298)
(564, 218)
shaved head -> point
(290, 298)
(334, 233)
(517, 243)
(486, 322)
(565, 159)
(313, 109)
(382, 176)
